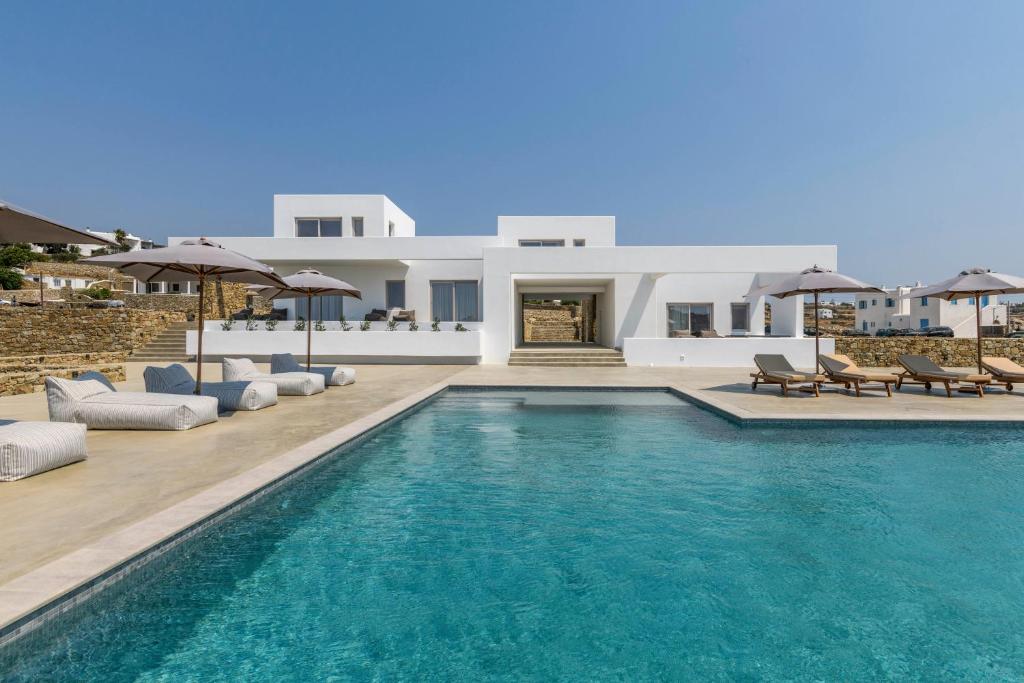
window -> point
(954, 302)
(153, 287)
(864, 326)
(357, 226)
(970, 300)
(394, 294)
(318, 227)
(391, 228)
(924, 323)
(740, 314)
(455, 301)
(579, 243)
(890, 303)
(984, 300)
(688, 319)
(542, 243)
(872, 325)
(862, 305)
(874, 302)
(924, 301)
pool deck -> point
(65, 527)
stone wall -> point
(82, 270)
(27, 374)
(222, 299)
(881, 352)
(550, 323)
(59, 330)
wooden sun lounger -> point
(842, 370)
(773, 368)
(923, 370)
(1004, 371)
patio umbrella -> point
(309, 283)
(22, 225)
(974, 282)
(815, 280)
(191, 260)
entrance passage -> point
(562, 320)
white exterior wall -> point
(909, 311)
(376, 210)
(598, 231)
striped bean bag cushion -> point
(95, 405)
(28, 448)
(176, 379)
(333, 376)
(288, 383)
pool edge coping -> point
(45, 593)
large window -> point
(740, 317)
(394, 294)
(688, 319)
(542, 243)
(323, 308)
(318, 227)
(455, 301)
(357, 226)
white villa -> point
(900, 309)
(656, 304)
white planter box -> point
(728, 352)
(370, 346)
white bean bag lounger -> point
(28, 448)
(333, 376)
(176, 379)
(288, 383)
(96, 405)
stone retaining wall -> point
(28, 374)
(957, 352)
(222, 299)
(61, 330)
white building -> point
(899, 308)
(646, 301)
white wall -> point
(375, 210)
(598, 231)
(732, 352)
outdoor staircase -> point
(168, 346)
(567, 357)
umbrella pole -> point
(977, 313)
(42, 299)
(309, 329)
(199, 350)
(817, 335)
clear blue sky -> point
(894, 129)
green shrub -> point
(413, 326)
(227, 325)
(271, 325)
(97, 292)
(10, 279)
(319, 326)
(436, 325)
(364, 326)
(300, 324)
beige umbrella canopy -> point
(22, 225)
(816, 281)
(976, 283)
(309, 283)
(191, 260)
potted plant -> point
(270, 325)
(459, 327)
(392, 325)
(364, 326)
(413, 326)
(319, 326)
(227, 325)
(300, 324)
(345, 327)
(436, 325)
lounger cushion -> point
(93, 404)
(288, 383)
(1003, 368)
(841, 366)
(333, 376)
(28, 448)
(176, 379)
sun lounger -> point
(923, 370)
(98, 406)
(333, 376)
(288, 383)
(844, 371)
(1004, 371)
(176, 379)
(773, 368)
(28, 448)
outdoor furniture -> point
(401, 315)
(98, 406)
(28, 448)
(333, 376)
(376, 315)
(288, 383)
(176, 379)
(923, 370)
(1004, 371)
(844, 371)
(773, 368)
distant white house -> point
(825, 313)
(899, 308)
(650, 302)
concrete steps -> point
(168, 346)
(569, 357)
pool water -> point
(584, 536)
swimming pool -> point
(587, 535)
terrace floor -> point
(133, 478)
